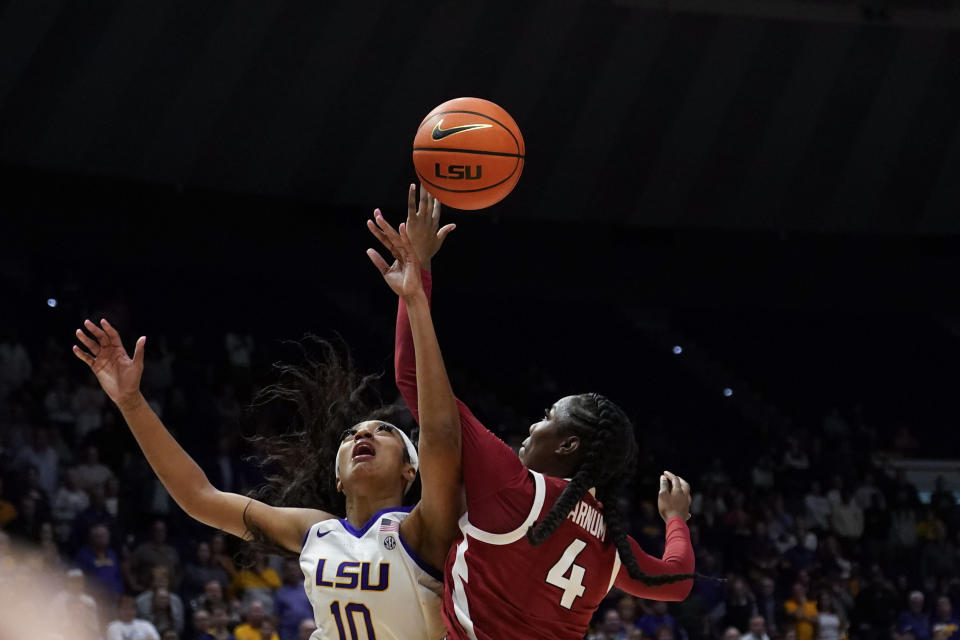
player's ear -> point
(569, 445)
(409, 474)
(339, 486)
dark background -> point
(776, 195)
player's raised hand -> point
(674, 498)
(117, 373)
(403, 276)
(423, 225)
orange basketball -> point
(469, 153)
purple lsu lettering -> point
(353, 575)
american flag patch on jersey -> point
(387, 526)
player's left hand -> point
(403, 276)
(423, 225)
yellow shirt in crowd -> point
(246, 632)
(804, 627)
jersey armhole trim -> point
(616, 571)
(427, 568)
(305, 537)
(540, 491)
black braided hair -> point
(316, 400)
(608, 462)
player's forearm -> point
(182, 477)
(439, 417)
(405, 367)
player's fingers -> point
(435, 209)
(674, 482)
(445, 231)
(424, 196)
(385, 226)
(138, 350)
(664, 487)
(378, 234)
(378, 261)
(404, 245)
(88, 342)
(97, 332)
(685, 486)
(411, 201)
(83, 355)
(111, 332)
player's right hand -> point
(674, 498)
(117, 373)
(423, 225)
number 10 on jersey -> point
(348, 612)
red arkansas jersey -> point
(497, 586)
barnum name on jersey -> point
(589, 519)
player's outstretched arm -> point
(119, 376)
(673, 502)
(432, 525)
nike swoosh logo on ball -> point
(440, 134)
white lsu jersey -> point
(366, 584)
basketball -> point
(469, 153)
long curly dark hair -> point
(608, 464)
(316, 400)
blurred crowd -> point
(799, 536)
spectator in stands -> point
(91, 473)
(156, 551)
(308, 626)
(257, 627)
(867, 492)
(127, 626)
(221, 557)
(15, 365)
(290, 602)
(915, 620)
(75, 605)
(162, 608)
(832, 561)
(96, 513)
(757, 629)
(218, 628)
(258, 582)
(49, 551)
(829, 624)
(875, 610)
(939, 558)
(658, 617)
(70, 500)
(201, 623)
(212, 595)
(876, 529)
(41, 455)
(767, 605)
(200, 571)
(762, 473)
(944, 621)
(87, 405)
(801, 612)
(59, 406)
(100, 562)
(27, 524)
(818, 508)
(740, 606)
(627, 608)
(732, 633)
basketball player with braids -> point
(543, 539)
(371, 574)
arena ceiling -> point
(657, 118)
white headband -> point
(411, 453)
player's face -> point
(540, 450)
(372, 451)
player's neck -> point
(361, 508)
